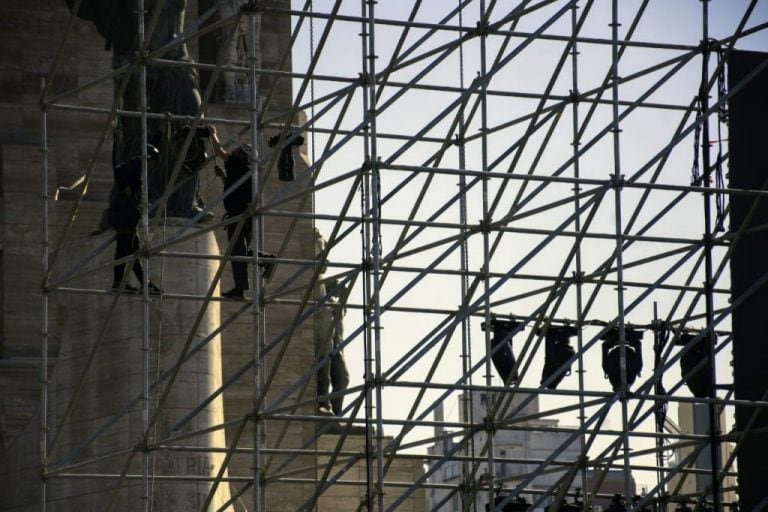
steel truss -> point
(482, 159)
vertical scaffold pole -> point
(486, 221)
(714, 424)
(44, 304)
(145, 477)
(468, 450)
(577, 225)
(372, 260)
(259, 435)
(365, 256)
(658, 416)
(376, 250)
(617, 182)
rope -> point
(318, 425)
(695, 168)
(722, 118)
(312, 84)
(660, 343)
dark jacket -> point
(124, 209)
(236, 202)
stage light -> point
(518, 504)
(501, 348)
(557, 351)
(690, 505)
(612, 356)
(637, 499)
(576, 506)
(617, 504)
(700, 382)
(286, 161)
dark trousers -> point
(126, 244)
(240, 247)
(333, 376)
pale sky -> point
(644, 133)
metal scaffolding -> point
(472, 161)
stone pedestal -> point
(106, 421)
(351, 489)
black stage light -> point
(617, 504)
(636, 500)
(683, 507)
(501, 348)
(285, 163)
(568, 507)
(518, 504)
(612, 356)
(690, 505)
(557, 352)
(576, 506)
(700, 382)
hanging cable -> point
(695, 168)
(661, 337)
(312, 83)
(722, 119)
(318, 426)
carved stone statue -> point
(235, 84)
(170, 90)
(333, 376)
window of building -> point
(452, 470)
(502, 467)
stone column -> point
(107, 417)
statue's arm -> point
(102, 13)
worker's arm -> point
(219, 150)
(216, 143)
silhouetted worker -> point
(333, 375)
(124, 213)
(237, 187)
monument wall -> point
(30, 38)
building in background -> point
(693, 419)
(611, 483)
(518, 451)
